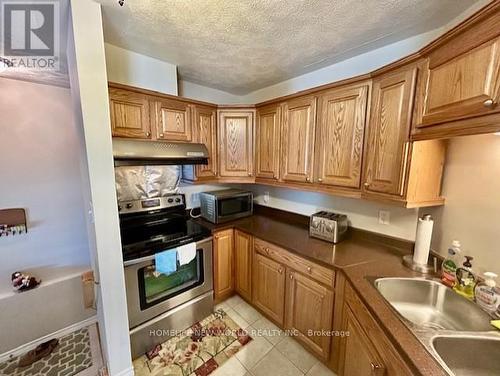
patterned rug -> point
(71, 356)
(198, 351)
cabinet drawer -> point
(315, 271)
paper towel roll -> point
(423, 239)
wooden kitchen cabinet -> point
(223, 264)
(360, 356)
(172, 120)
(129, 113)
(297, 139)
(205, 131)
(243, 249)
(267, 142)
(462, 86)
(387, 151)
(268, 290)
(235, 137)
(340, 135)
(309, 312)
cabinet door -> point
(269, 289)
(359, 356)
(223, 264)
(235, 131)
(173, 122)
(299, 118)
(205, 132)
(342, 119)
(129, 114)
(267, 143)
(464, 86)
(243, 245)
(388, 147)
(309, 312)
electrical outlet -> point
(266, 197)
(384, 217)
(195, 199)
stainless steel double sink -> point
(455, 330)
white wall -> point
(87, 67)
(40, 171)
(362, 214)
(130, 68)
(471, 214)
(203, 93)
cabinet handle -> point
(249, 174)
(320, 180)
(266, 250)
(291, 276)
(309, 269)
(488, 103)
(161, 135)
(366, 185)
(308, 178)
(377, 369)
(148, 134)
(280, 270)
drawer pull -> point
(377, 369)
(148, 134)
(161, 135)
(249, 174)
(488, 103)
(320, 180)
(280, 270)
(309, 270)
(366, 185)
(308, 179)
(291, 276)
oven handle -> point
(152, 257)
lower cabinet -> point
(223, 264)
(309, 310)
(269, 287)
(243, 248)
(360, 356)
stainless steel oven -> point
(226, 205)
(160, 304)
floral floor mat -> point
(198, 351)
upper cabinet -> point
(388, 135)
(172, 120)
(340, 135)
(205, 131)
(235, 135)
(129, 114)
(297, 139)
(464, 86)
(267, 142)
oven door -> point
(232, 207)
(150, 294)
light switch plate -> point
(266, 197)
(384, 217)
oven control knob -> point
(170, 200)
(177, 199)
(129, 205)
(119, 208)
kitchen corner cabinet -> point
(129, 114)
(172, 120)
(268, 289)
(235, 137)
(309, 310)
(223, 264)
(340, 135)
(297, 139)
(395, 168)
(243, 249)
(267, 142)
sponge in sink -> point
(495, 323)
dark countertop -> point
(363, 254)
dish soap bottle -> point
(449, 267)
(466, 280)
(486, 294)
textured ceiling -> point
(242, 45)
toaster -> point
(328, 226)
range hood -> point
(143, 153)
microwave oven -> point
(226, 205)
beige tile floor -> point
(271, 352)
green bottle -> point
(466, 280)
